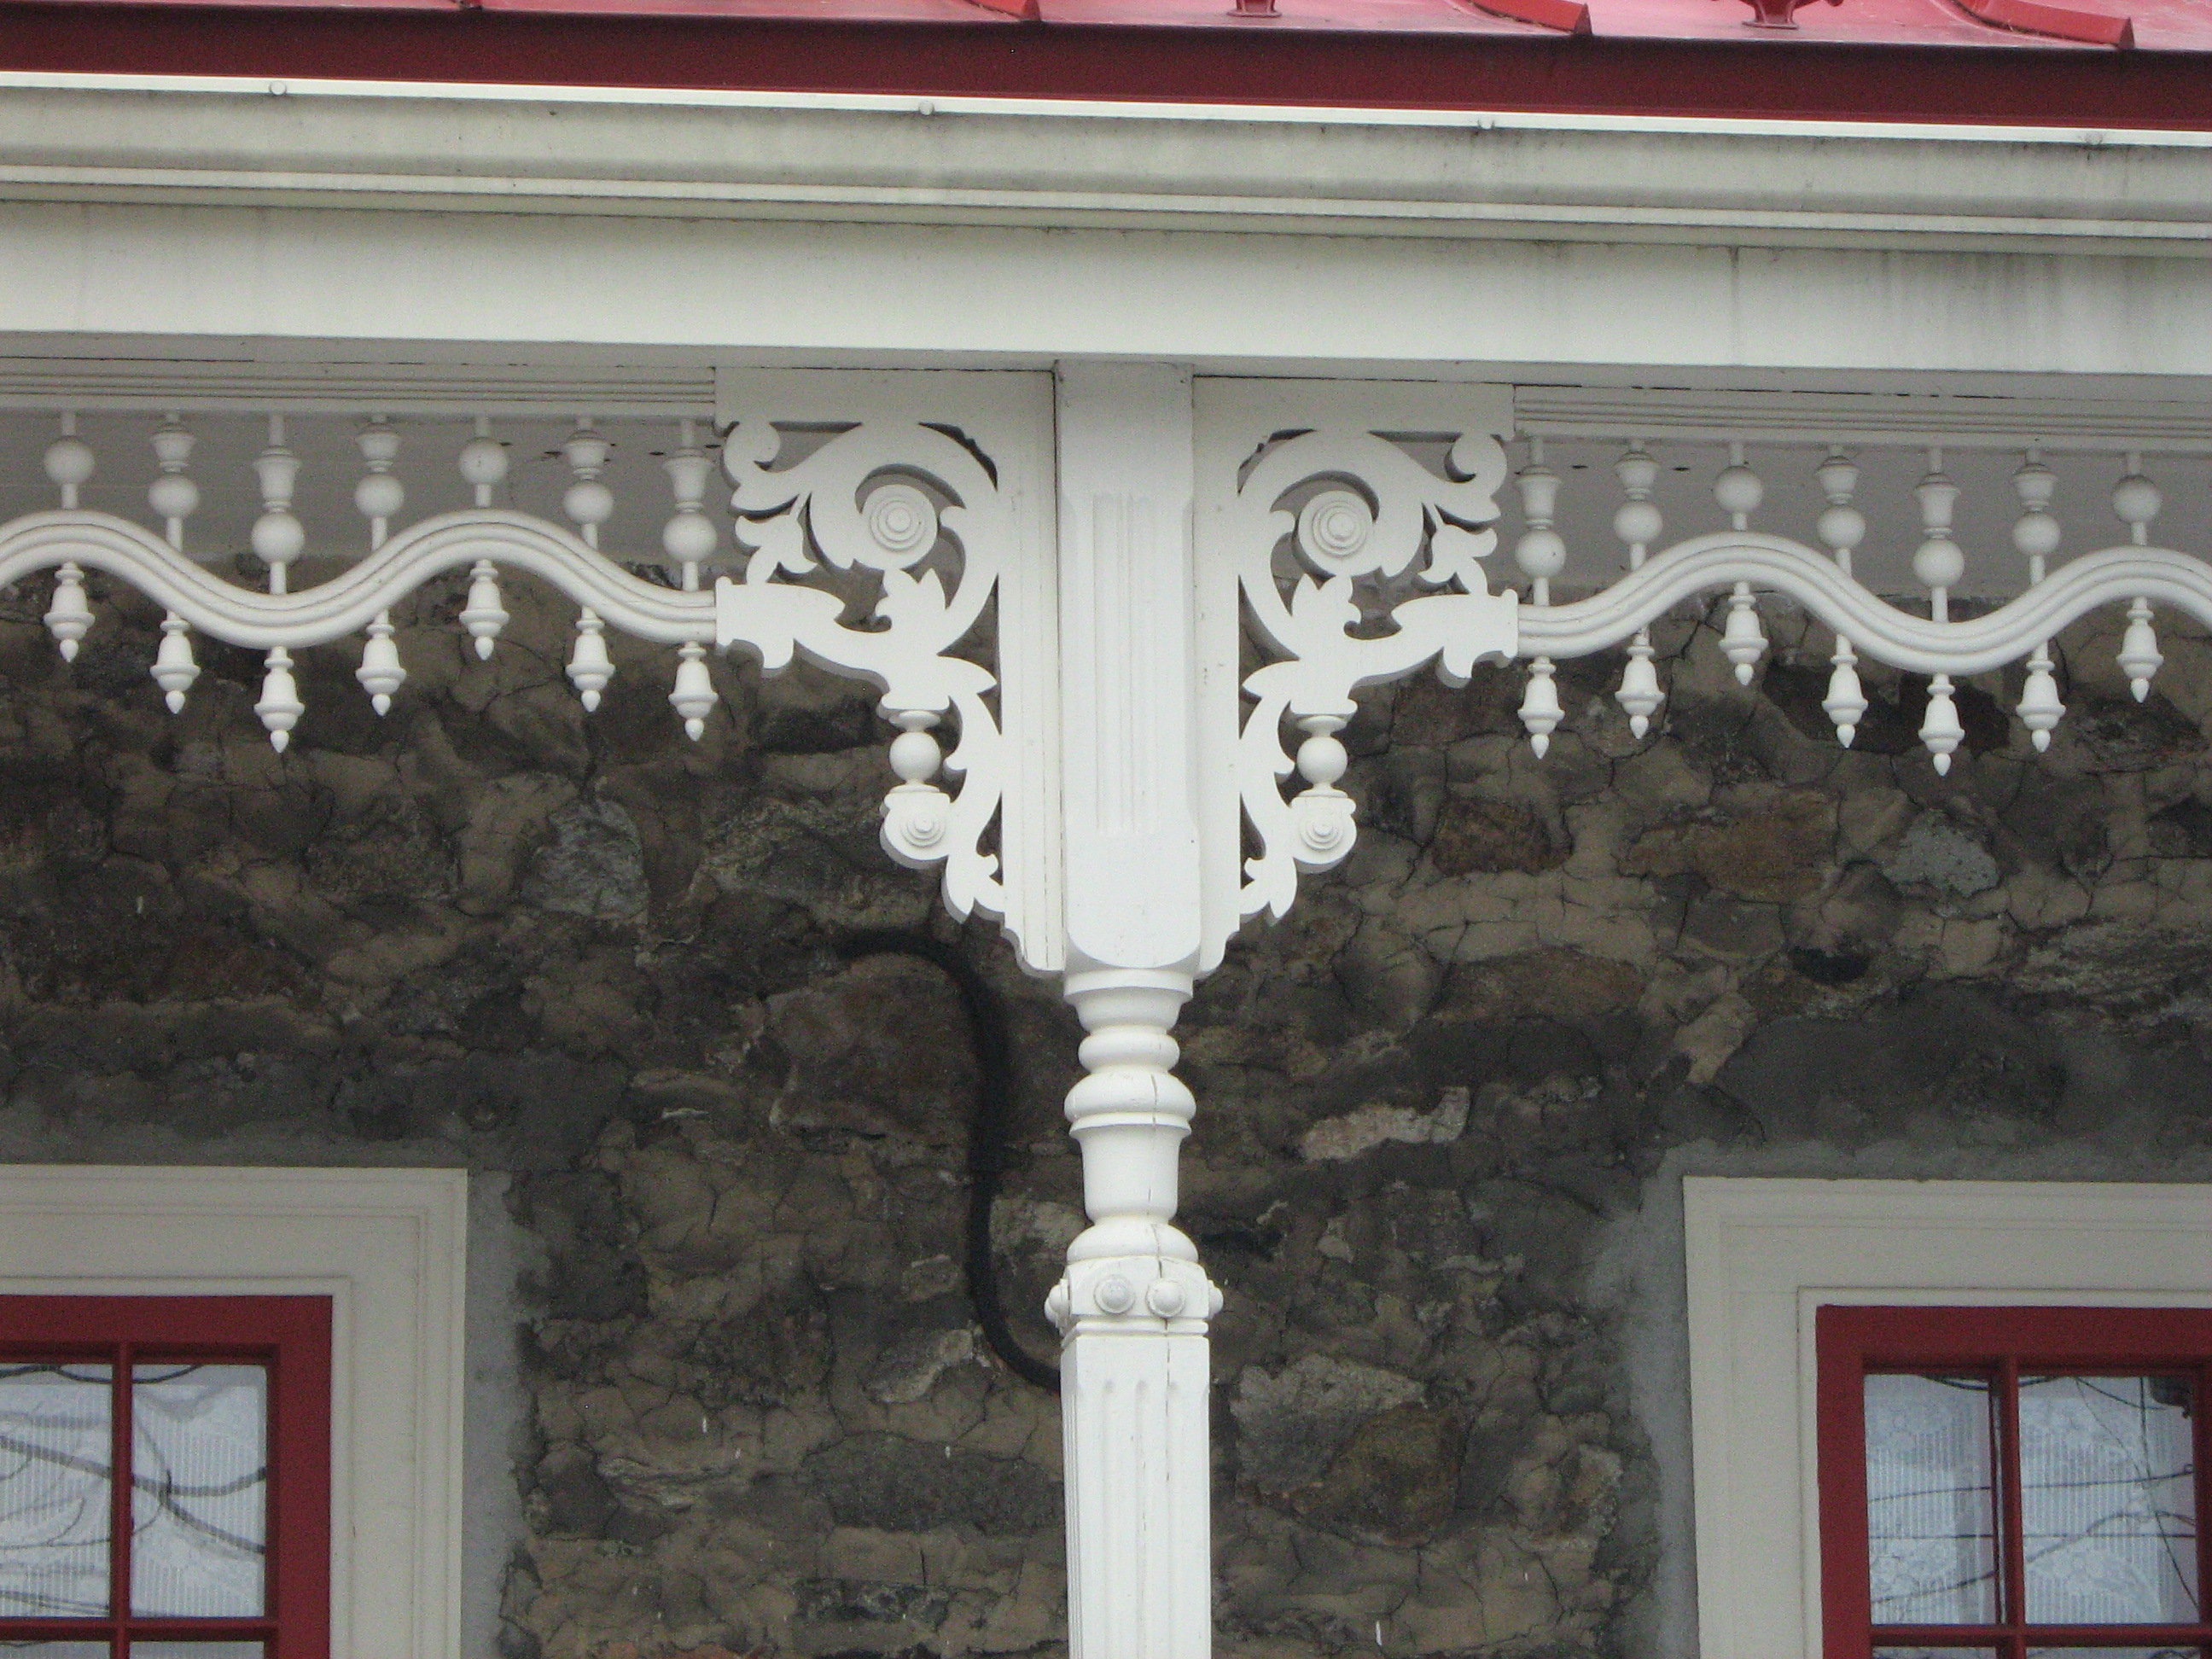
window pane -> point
(56, 1445)
(1930, 1506)
(2114, 1653)
(191, 1651)
(1935, 1653)
(2107, 1499)
(54, 1649)
(199, 1503)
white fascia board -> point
(339, 284)
(1040, 162)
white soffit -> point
(519, 390)
(1763, 1255)
(2111, 425)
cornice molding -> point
(984, 162)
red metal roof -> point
(2154, 25)
(2119, 64)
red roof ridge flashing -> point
(2094, 29)
(1567, 17)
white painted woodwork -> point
(1328, 170)
(982, 444)
(326, 249)
(1339, 493)
(1134, 1307)
(1184, 579)
(389, 1248)
(1763, 1254)
(1133, 1408)
(1129, 694)
(1133, 1310)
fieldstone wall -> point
(1442, 1105)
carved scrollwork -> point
(914, 506)
(1337, 529)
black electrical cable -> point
(990, 1121)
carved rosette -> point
(1337, 529)
(899, 511)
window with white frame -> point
(230, 1404)
(165, 1476)
(1954, 1419)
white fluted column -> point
(1133, 1313)
(1134, 1307)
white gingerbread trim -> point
(912, 456)
(1359, 562)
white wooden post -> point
(1134, 1307)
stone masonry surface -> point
(599, 962)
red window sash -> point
(2000, 1343)
(290, 1334)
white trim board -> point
(1105, 109)
(1762, 1254)
(389, 1248)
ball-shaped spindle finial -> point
(1638, 522)
(2037, 533)
(483, 463)
(588, 502)
(1540, 553)
(914, 755)
(2136, 501)
(379, 496)
(1841, 527)
(277, 538)
(689, 537)
(1939, 562)
(70, 462)
(173, 496)
(1738, 490)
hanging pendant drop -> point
(2139, 657)
(590, 668)
(1639, 695)
(69, 619)
(694, 698)
(1941, 729)
(485, 615)
(1741, 641)
(2040, 710)
(173, 670)
(380, 673)
(1845, 703)
(280, 707)
(1540, 707)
